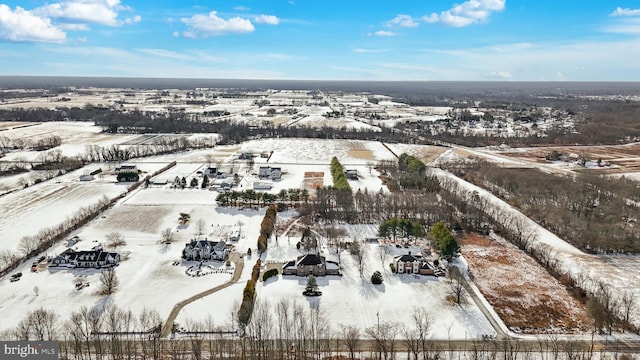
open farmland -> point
(27, 211)
(522, 292)
(75, 137)
(621, 158)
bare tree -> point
(383, 336)
(358, 250)
(167, 236)
(109, 281)
(115, 239)
(628, 305)
(201, 225)
(456, 283)
(351, 338)
(42, 324)
(382, 254)
(422, 323)
(36, 290)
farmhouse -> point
(199, 250)
(127, 169)
(273, 173)
(95, 258)
(311, 264)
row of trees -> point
(39, 144)
(284, 198)
(30, 245)
(609, 307)
(591, 212)
(248, 296)
(405, 228)
(284, 330)
(266, 227)
(339, 176)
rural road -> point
(168, 324)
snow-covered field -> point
(351, 299)
(153, 276)
(48, 204)
(75, 137)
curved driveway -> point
(168, 324)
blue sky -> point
(514, 40)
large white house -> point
(414, 264)
(408, 264)
(95, 258)
(199, 250)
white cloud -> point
(369, 51)
(166, 54)
(512, 47)
(133, 20)
(402, 21)
(384, 33)
(241, 8)
(267, 19)
(625, 12)
(624, 26)
(467, 13)
(504, 75)
(103, 12)
(211, 25)
(75, 27)
(23, 25)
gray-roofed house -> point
(273, 173)
(199, 250)
(95, 258)
(311, 264)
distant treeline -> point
(602, 122)
(113, 121)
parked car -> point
(312, 293)
(15, 277)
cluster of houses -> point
(203, 249)
(317, 265)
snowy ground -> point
(27, 211)
(149, 278)
(613, 271)
(351, 299)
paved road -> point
(239, 265)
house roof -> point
(408, 258)
(201, 244)
(90, 255)
(310, 259)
